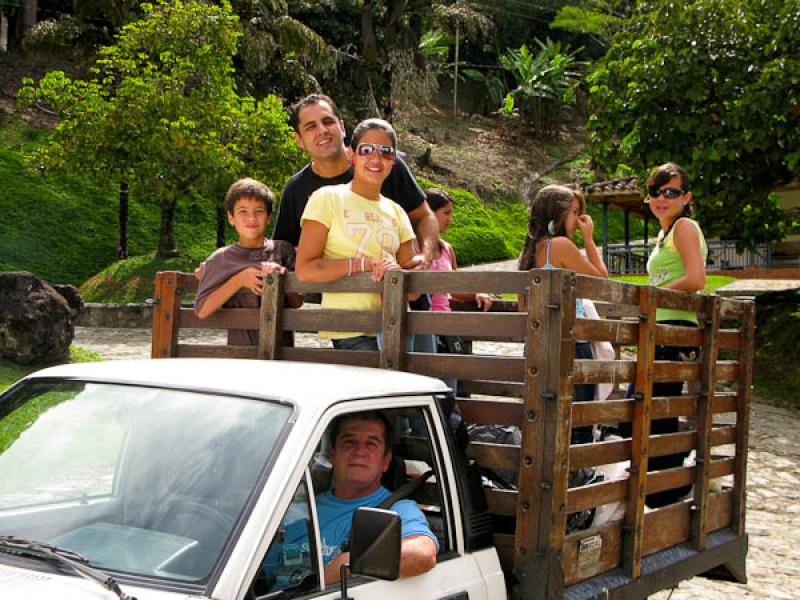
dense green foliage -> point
(546, 84)
(713, 85)
(161, 111)
(63, 228)
(775, 370)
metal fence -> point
(722, 255)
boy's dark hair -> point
(437, 198)
(294, 109)
(249, 188)
(367, 415)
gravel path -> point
(773, 517)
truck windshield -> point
(139, 480)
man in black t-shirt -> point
(320, 131)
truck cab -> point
(182, 478)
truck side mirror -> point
(375, 547)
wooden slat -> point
(607, 290)
(490, 282)
(502, 502)
(495, 456)
(673, 370)
(491, 412)
(361, 283)
(604, 371)
(576, 567)
(166, 315)
(727, 370)
(616, 332)
(632, 541)
(460, 366)
(211, 351)
(724, 402)
(723, 435)
(331, 320)
(270, 333)
(621, 411)
(358, 358)
(597, 494)
(669, 479)
(704, 424)
(224, 318)
(729, 339)
(744, 389)
(395, 303)
(672, 443)
(720, 510)
(721, 468)
(504, 544)
(530, 521)
(492, 388)
(474, 324)
(674, 335)
(626, 312)
(732, 309)
(666, 527)
(680, 300)
(601, 453)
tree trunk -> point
(122, 245)
(368, 38)
(29, 13)
(3, 33)
(221, 226)
(167, 246)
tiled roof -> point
(620, 185)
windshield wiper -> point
(77, 562)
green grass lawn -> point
(713, 282)
(10, 371)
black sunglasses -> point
(367, 150)
(668, 193)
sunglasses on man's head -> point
(668, 193)
(366, 150)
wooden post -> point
(270, 330)
(544, 456)
(743, 397)
(633, 528)
(395, 316)
(704, 423)
(605, 235)
(166, 315)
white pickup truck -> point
(180, 477)
(173, 478)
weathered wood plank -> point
(492, 388)
(495, 456)
(729, 339)
(671, 370)
(331, 320)
(461, 366)
(669, 479)
(601, 453)
(680, 300)
(704, 423)
(616, 332)
(211, 351)
(632, 539)
(166, 315)
(720, 510)
(270, 335)
(395, 305)
(665, 527)
(604, 371)
(472, 324)
(597, 494)
(502, 502)
(607, 290)
(674, 335)
(490, 282)
(361, 283)
(621, 411)
(744, 389)
(726, 370)
(491, 412)
(721, 468)
(724, 435)
(579, 565)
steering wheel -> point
(196, 520)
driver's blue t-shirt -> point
(335, 517)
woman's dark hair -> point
(663, 174)
(368, 124)
(437, 198)
(551, 203)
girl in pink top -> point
(441, 204)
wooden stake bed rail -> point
(531, 387)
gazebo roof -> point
(622, 193)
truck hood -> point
(24, 584)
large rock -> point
(36, 321)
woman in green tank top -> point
(678, 263)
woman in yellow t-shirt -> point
(351, 228)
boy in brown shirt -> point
(232, 276)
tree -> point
(161, 111)
(715, 86)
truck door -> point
(416, 447)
